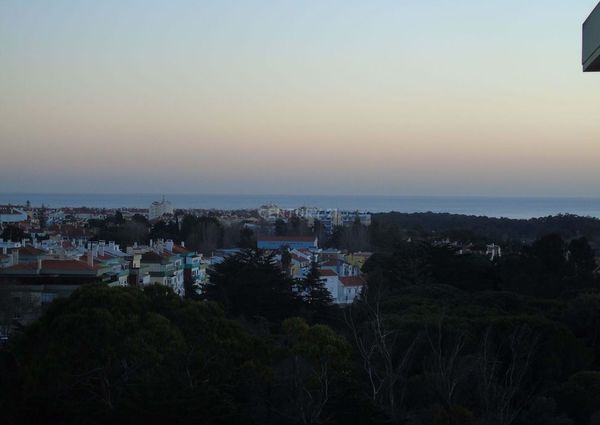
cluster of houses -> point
(329, 218)
(33, 273)
(492, 251)
(340, 271)
(53, 262)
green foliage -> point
(251, 285)
(437, 337)
(583, 318)
(579, 397)
(12, 233)
(317, 298)
(116, 355)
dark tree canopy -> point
(252, 285)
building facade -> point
(159, 208)
(591, 42)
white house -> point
(343, 289)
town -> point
(47, 253)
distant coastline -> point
(510, 207)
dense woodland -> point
(436, 338)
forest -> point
(435, 338)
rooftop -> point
(352, 281)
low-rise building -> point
(343, 289)
(10, 215)
(290, 242)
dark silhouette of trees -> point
(116, 355)
(251, 285)
(308, 376)
(12, 233)
(281, 227)
(42, 216)
(317, 298)
(204, 234)
(247, 238)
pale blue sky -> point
(321, 97)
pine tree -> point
(316, 296)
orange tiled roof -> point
(56, 265)
(29, 250)
(352, 281)
(178, 249)
(68, 265)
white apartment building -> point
(159, 208)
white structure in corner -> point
(591, 42)
(159, 208)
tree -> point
(247, 238)
(447, 367)
(582, 315)
(204, 234)
(139, 218)
(385, 358)
(306, 377)
(42, 216)
(503, 371)
(280, 227)
(252, 285)
(121, 355)
(286, 261)
(118, 218)
(550, 251)
(12, 233)
(580, 395)
(317, 298)
(582, 258)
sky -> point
(377, 97)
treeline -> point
(436, 338)
(203, 234)
(550, 267)
(387, 227)
(124, 355)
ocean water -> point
(512, 207)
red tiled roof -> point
(29, 250)
(299, 258)
(99, 257)
(178, 249)
(352, 281)
(330, 263)
(327, 272)
(68, 265)
(23, 266)
(56, 265)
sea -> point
(510, 207)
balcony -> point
(591, 42)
